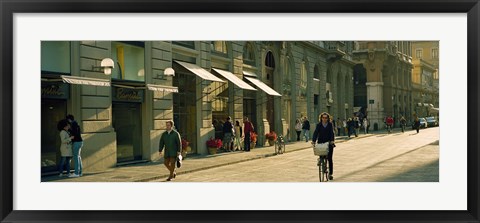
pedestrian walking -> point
(171, 142)
(247, 130)
(238, 136)
(77, 144)
(351, 127)
(403, 123)
(228, 132)
(345, 127)
(324, 132)
(306, 128)
(389, 121)
(334, 123)
(416, 124)
(298, 128)
(357, 125)
(365, 125)
(66, 151)
(339, 126)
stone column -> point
(373, 65)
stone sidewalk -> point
(155, 170)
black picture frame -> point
(10, 7)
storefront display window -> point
(129, 59)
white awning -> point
(234, 79)
(154, 87)
(246, 73)
(199, 71)
(85, 81)
(263, 86)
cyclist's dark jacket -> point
(323, 134)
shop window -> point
(55, 57)
(129, 58)
(219, 107)
(220, 97)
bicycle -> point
(389, 128)
(279, 145)
(322, 150)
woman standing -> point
(65, 147)
(238, 136)
(298, 128)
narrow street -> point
(396, 157)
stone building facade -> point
(425, 77)
(123, 114)
(386, 71)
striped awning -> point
(234, 79)
(263, 86)
(202, 73)
(154, 87)
(85, 81)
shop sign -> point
(127, 94)
(55, 90)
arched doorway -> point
(269, 71)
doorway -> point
(184, 108)
(52, 112)
(127, 122)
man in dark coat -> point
(306, 128)
(171, 141)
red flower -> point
(271, 136)
(185, 143)
(253, 136)
(214, 143)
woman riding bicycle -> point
(324, 133)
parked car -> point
(423, 123)
(431, 121)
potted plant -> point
(271, 137)
(253, 140)
(213, 144)
(185, 147)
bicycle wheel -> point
(324, 169)
(321, 163)
(277, 147)
(282, 147)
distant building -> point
(425, 77)
(383, 79)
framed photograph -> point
(91, 29)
